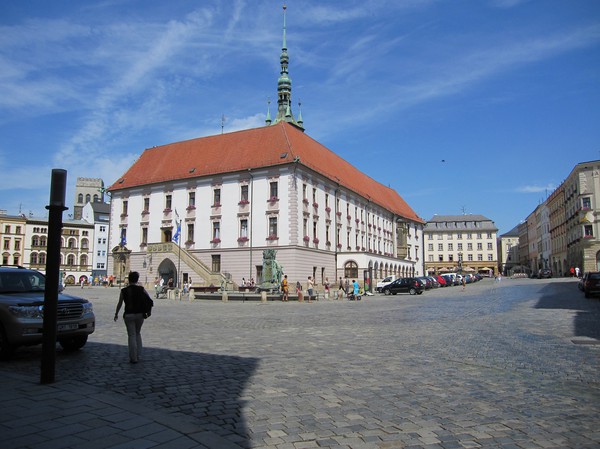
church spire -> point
(284, 85)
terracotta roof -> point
(255, 148)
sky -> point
(461, 106)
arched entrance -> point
(166, 270)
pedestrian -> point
(299, 291)
(572, 271)
(347, 287)
(134, 296)
(356, 289)
(464, 282)
(327, 288)
(285, 288)
(577, 271)
(309, 288)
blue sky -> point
(462, 106)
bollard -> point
(191, 295)
(224, 296)
(263, 296)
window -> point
(84, 244)
(479, 235)
(216, 197)
(191, 200)
(244, 197)
(190, 233)
(80, 198)
(586, 203)
(469, 247)
(244, 228)
(459, 236)
(314, 198)
(216, 231)
(144, 236)
(304, 192)
(42, 258)
(450, 247)
(441, 258)
(490, 246)
(7, 229)
(588, 231)
(216, 263)
(490, 257)
(6, 244)
(479, 247)
(17, 245)
(146, 208)
(305, 227)
(71, 260)
(88, 198)
(272, 227)
(168, 202)
(83, 261)
(470, 257)
(274, 189)
(469, 236)
(16, 260)
(351, 270)
(430, 247)
(18, 230)
(33, 259)
(440, 247)
(459, 246)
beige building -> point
(558, 232)
(455, 243)
(582, 206)
(12, 236)
(508, 251)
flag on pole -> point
(178, 231)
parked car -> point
(427, 284)
(591, 284)
(450, 280)
(385, 281)
(414, 286)
(22, 312)
(545, 273)
(441, 281)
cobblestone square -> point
(501, 365)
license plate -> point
(68, 327)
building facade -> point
(98, 214)
(87, 190)
(508, 251)
(76, 251)
(461, 243)
(12, 236)
(209, 209)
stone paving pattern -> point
(513, 364)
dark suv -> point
(22, 312)
(591, 283)
(413, 286)
(545, 273)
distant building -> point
(87, 190)
(75, 248)
(558, 232)
(12, 238)
(460, 243)
(99, 215)
(508, 251)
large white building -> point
(461, 243)
(238, 194)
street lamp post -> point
(460, 263)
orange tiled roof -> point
(251, 149)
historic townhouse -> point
(455, 243)
(75, 248)
(12, 236)
(98, 214)
(508, 251)
(582, 207)
(207, 208)
(558, 232)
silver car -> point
(22, 312)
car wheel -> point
(73, 343)
(386, 291)
(6, 349)
(412, 291)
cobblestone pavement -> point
(513, 364)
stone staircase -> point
(203, 275)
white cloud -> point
(548, 188)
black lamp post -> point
(459, 263)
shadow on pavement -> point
(207, 387)
(566, 296)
